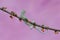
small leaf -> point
(23, 11)
(23, 14)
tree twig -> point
(34, 24)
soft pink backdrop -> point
(45, 12)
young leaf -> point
(23, 14)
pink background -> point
(45, 12)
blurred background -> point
(45, 12)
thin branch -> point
(26, 20)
